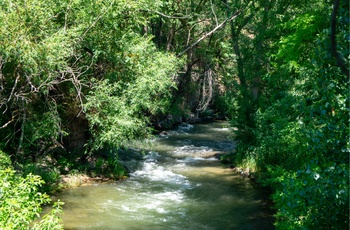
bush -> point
(5, 161)
(21, 203)
(50, 175)
(313, 198)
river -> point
(177, 184)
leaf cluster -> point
(21, 202)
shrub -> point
(314, 198)
(21, 202)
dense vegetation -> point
(79, 78)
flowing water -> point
(179, 184)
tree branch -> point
(221, 25)
(19, 148)
(169, 16)
(7, 123)
(96, 20)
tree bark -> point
(170, 38)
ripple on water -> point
(195, 159)
(185, 127)
(191, 151)
(154, 172)
(148, 202)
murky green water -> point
(177, 185)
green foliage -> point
(21, 203)
(5, 161)
(110, 168)
(119, 107)
(313, 198)
(296, 132)
(51, 220)
(53, 53)
(300, 32)
(49, 174)
(34, 53)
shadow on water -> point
(177, 185)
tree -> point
(34, 55)
(53, 54)
(298, 138)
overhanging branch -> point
(170, 16)
(221, 25)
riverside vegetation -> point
(81, 78)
